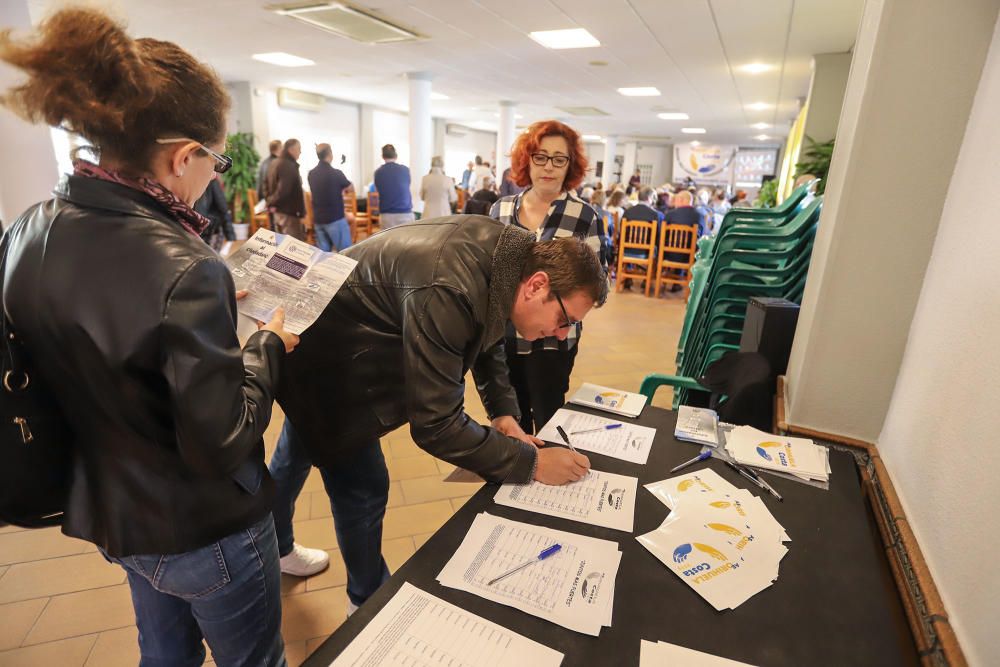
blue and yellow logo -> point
(683, 551)
(764, 446)
(609, 398)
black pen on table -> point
(755, 478)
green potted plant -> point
(816, 161)
(768, 194)
(240, 177)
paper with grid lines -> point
(415, 629)
(599, 498)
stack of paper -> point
(618, 401)
(697, 425)
(599, 498)
(628, 442)
(798, 456)
(720, 540)
(663, 653)
(575, 587)
(416, 628)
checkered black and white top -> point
(568, 215)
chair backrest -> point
(679, 239)
(252, 198)
(460, 205)
(309, 222)
(638, 234)
(373, 204)
(350, 202)
(616, 221)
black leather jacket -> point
(427, 302)
(131, 321)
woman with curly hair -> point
(550, 160)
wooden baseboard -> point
(932, 631)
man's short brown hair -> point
(571, 266)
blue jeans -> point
(334, 235)
(358, 488)
(228, 592)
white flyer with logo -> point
(599, 498)
(280, 271)
(574, 587)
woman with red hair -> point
(550, 160)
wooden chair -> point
(257, 220)
(677, 247)
(460, 204)
(358, 221)
(308, 221)
(636, 253)
(373, 213)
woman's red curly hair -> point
(527, 143)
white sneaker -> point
(351, 607)
(303, 562)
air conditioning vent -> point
(346, 21)
(453, 130)
(289, 98)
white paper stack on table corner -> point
(599, 498)
(719, 539)
(415, 627)
(664, 653)
(799, 456)
(575, 587)
(629, 442)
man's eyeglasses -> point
(558, 161)
(222, 162)
(569, 323)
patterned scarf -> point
(189, 218)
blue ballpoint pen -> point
(700, 457)
(608, 427)
(542, 556)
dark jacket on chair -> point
(131, 322)
(426, 303)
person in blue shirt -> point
(327, 185)
(392, 181)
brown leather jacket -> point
(427, 302)
(284, 187)
(131, 321)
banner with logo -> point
(704, 163)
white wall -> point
(391, 127)
(335, 124)
(661, 157)
(904, 116)
(459, 151)
(940, 436)
(30, 171)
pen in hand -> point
(562, 434)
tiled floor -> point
(62, 604)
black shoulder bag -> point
(36, 457)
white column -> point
(505, 137)
(610, 150)
(421, 132)
(631, 151)
(30, 179)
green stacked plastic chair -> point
(755, 253)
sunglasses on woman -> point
(222, 162)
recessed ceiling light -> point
(591, 137)
(696, 143)
(693, 130)
(762, 137)
(282, 59)
(439, 96)
(760, 126)
(517, 116)
(575, 38)
(759, 106)
(673, 115)
(640, 91)
(756, 68)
